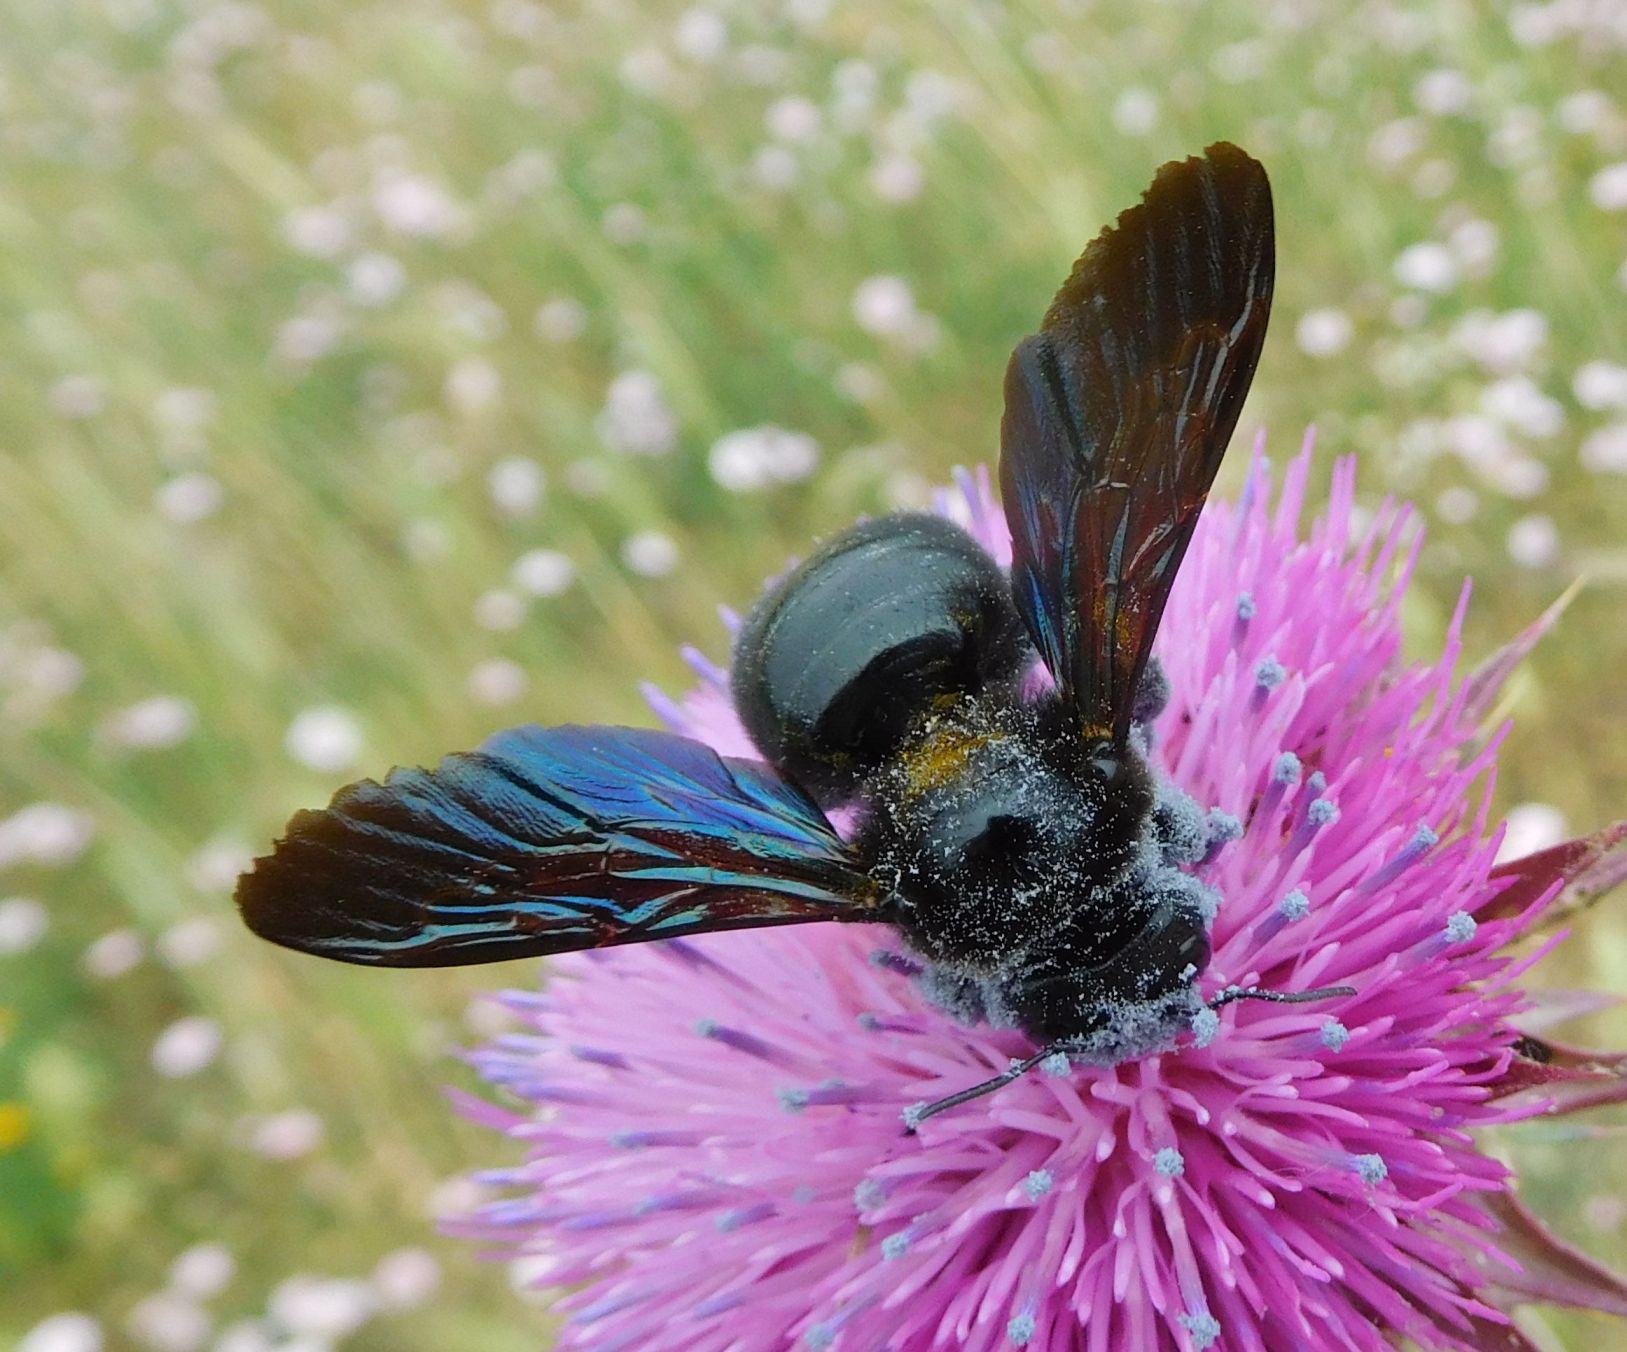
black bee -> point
(1014, 835)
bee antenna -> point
(1279, 997)
(914, 1116)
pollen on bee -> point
(940, 758)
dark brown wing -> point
(1118, 412)
(548, 840)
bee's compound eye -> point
(1192, 946)
(837, 664)
(1171, 949)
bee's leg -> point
(1280, 997)
(918, 1113)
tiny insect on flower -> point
(1225, 929)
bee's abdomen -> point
(849, 652)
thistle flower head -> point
(715, 1155)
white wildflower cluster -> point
(885, 307)
(756, 458)
(303, 1312)
(637, 420)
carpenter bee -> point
(986, 732)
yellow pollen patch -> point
(940, 759)
(13, 1125)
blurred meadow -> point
(378, 375)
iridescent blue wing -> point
(547, 840)
(1117, 414)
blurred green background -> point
(376, 375)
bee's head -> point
(1134, 992)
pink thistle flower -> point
(715, 1152)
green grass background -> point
(154, 158)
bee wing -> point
(1118, 412)
(547, 840)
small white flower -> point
(1135, 112)
(325, 738)
(329, 1308)
(79, 396)
(412, 205)
(203, 1270)
(896, 177)
(1502, 343)
(516, 484)
(930, 94)
(305, 339)
(1324, 333)
(701, 34)
(1584, 111)
(650, 553)
(215, 865)
(287, 1135)
(543, 572)
(1426, 266)
(189, 942)
(1396, 142)
(1531, 827)
(69, 1332)
(884, 306)
(375, 279)
(1533, 541)
(1516, 401)
(1601, 385)
(184, 408)
(406, 1278)
(23, 923)
(44, 833)
(112, 955)
(637, 419)
(775, 168)
(1608, 187)
(793, 119)
(473, 385)
(646, 71)
(1443, 92)
(187, 1046)
(321, 232)
(497, 681)
(168, 1322)
(189, 497)
(151, 724)
(1605, 451)
(560, 320)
